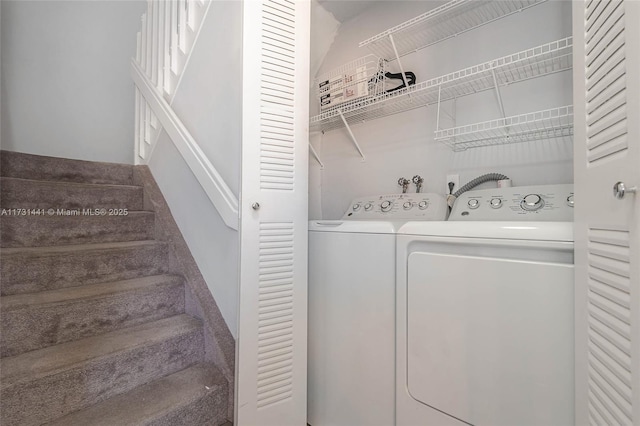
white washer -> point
(351, 350)
(485, 312)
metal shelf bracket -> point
(451, 115)
(438, 115)
(497, 88)
(315, 155)
(353, 138)
(393, 44)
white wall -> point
(209, 102)
(324, 28)
(66, 87)
(402, 145)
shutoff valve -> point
(404, 183)
(417, 180)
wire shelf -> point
(441, 23)
(369, 109)
(535, 62)
(546, 124)
(531, 63)
(351, 83)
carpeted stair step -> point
(43, 385)
(38, 194)
(51, 230)
(37, 320)
(36, 167)
(31, 269)
(196, 396)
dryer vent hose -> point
(473, 183)
(477, 181)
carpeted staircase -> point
(93, 322)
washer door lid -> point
(490, 341)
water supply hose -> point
(473, 183)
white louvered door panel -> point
(607, 230)
(271, 370)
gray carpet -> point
(93, 322)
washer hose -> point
(473, 183)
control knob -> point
(407, 205)
(386, 205)
(570, 200)
(356, 207)
(473, 203)
(423, 205)
(532, 202)
(368, 207)
(495, 203)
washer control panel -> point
(552, 203)
(427, 206)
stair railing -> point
(170, 29)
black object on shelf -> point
(411, 79)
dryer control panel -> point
(427, 206)
(552, 203)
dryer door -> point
(490, 340)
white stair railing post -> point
(169, 30)
(166, 67)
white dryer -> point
(485, 312)
(351, 350)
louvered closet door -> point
(607, 150)
(271, 379)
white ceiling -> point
(343, 10)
